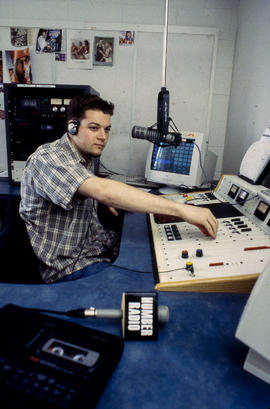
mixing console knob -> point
(189, 268)
(199, 253)
(184, 254)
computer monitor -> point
(35, 114)
(176, 166)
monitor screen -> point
(176, 166)
(173, 159)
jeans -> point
(85, 272)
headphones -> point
(73, 127)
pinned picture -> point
(19, 66)
(18, 36)
(79, 43)
(48, 41)
(103, 51)
(2, 107)
(60, 57)
(1, 67)
(127, 38)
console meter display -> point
(242, 197)
(233, 191)
(262, 210)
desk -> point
(8, 190)
(195, 364)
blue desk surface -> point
(196, 362)
(8, 190)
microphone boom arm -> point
(161, 136)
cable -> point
(131, 269)
(92, 312)
(50, 311)
(111, 172)
(171, 271)
(243, 201)
(148, 272)
(201, 166)
(77, 313)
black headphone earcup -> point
(73, 127)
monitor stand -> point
(168, 190)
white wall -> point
(249, 112)
(200, 16)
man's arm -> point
(119, 195)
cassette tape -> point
(71, 352)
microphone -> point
(140, 315)
(139, 312)
(155, 136)
(163, 111)
(161, 134)
(92, 312)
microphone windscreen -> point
(139, 132)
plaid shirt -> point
(63, 226)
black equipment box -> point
(49, 363)
(35, 115)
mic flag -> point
(140, 316)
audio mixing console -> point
(187, 260)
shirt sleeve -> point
(57, 179)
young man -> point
(59, 195)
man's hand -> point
(203, 218)
(113, 211)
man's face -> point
(93, 133)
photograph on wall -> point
(22, 37)
(3, 148)
(48, 41)
(2, 108)
(19, 66)
(79, 43)
(18, 36)
(60, 57)
(103, 51)
(127, 37)
(1, 67)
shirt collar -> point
(77, 156)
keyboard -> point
(37, 388)
(138, 181)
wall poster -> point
(79, 52)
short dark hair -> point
(81, 103)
